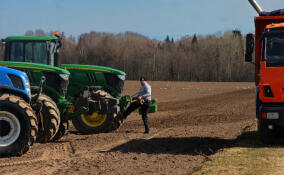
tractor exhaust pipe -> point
(256, 6)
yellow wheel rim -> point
(94, 120)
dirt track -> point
(194, 121)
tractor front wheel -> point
(18, 126)
(94, 123)
(49, 119)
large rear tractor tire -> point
(49, 119)
(96, 123)
(18, 126)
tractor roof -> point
(39, 38)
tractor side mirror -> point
(249, 47)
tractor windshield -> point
(274, 47)
(29, 51)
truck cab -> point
(271, 71)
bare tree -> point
(192, 58)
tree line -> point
(191, 58)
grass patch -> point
(254, 161)
(247, 156)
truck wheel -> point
(265, 135)
(278, 131)
(18, 126)
(94, 123)
(49, 118)
(257, 106)
(63, 130)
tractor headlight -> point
(16, 81)
(21, 82)
(122, 77)
(64, 76)
(28, 86)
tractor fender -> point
(9, 90)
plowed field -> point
(194, 121)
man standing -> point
(143, 100)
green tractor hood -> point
(93, 68)
(56, 82)
(33, 66)
(109, 79)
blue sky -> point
(152, 18)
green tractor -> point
(51, 125)
(94, 93)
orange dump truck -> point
(268, 43)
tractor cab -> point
(272, 64)
(43, 50)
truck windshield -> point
(274, 49)
(29, 51)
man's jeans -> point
(145, 109)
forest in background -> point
(216, 57)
